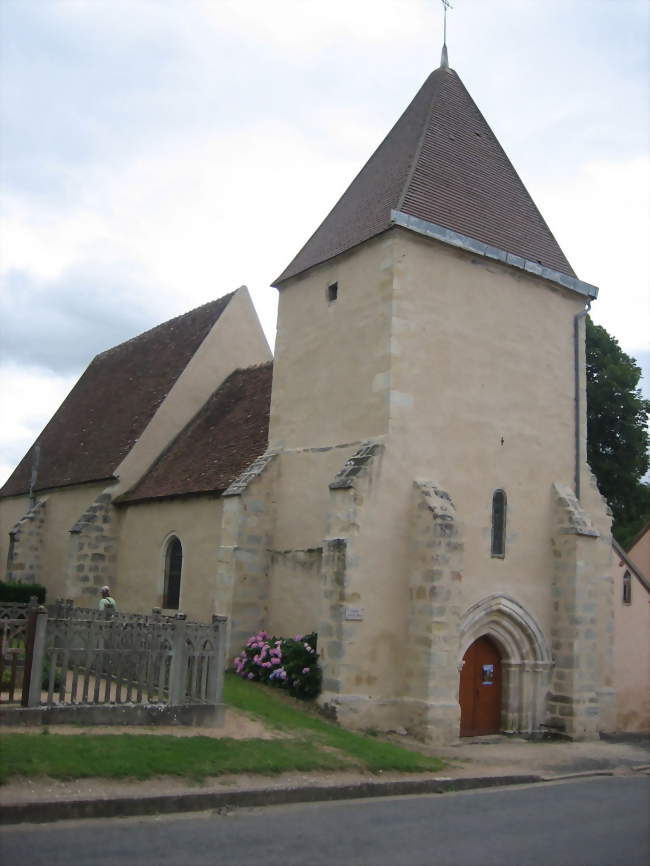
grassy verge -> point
(286, 714)
(142, 756)
(311, 744)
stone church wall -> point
(25, 556)
(12, 510)
(331, 357)
(468, 365)
(64, 507)
(301, 499)
(92, 552)
(363, 635)
(241, 579)
(145, 530)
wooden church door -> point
(480, 690)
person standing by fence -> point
(106, 602)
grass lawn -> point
(312, 744)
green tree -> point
(617, 432)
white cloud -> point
(28, 398)
(157, 155)
(601, 217)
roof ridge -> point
(227, 297)
(423, 135)
(515, 172)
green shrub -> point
(288, 663)
(21, 592)
(45, 679)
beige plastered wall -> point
(236, 340)
(482, 398)
(328, 355)
(631, 653)
(301, 497)
(463, 369)
(145, 530)
(64, 507)
(327, 399)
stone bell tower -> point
(427, 422)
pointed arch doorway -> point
(522, 660)
(480, 689)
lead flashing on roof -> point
(454, 239)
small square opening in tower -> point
(332, 292)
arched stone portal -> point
(525, 658)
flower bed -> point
(289, 663)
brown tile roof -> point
(442, 163)
(227, 435)
(108, 409)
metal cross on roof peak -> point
(444, 60)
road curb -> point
(586, 774)
(121, 807)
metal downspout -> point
(578, 406)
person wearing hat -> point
(106, 602)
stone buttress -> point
(92, 551)
(581, 696)
(431, 669)
(242, 578)
(26, 541)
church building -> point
(407, 476)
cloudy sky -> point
(156, 154)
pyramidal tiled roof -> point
(440, 163)
(107, 410)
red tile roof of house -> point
(441, 163)
(108, 409)
(226, 436)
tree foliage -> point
(617, 432)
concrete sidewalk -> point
(476, 763)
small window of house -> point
(332, 292)
(627, 588)
(173, 568)
(499, 523)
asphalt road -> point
(594, 822)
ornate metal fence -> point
(13, 642)
(16, 639)
(76, 658)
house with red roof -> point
(631, 590)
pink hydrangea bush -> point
(289, 663)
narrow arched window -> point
(173, 568)
(627, 588)
(499, 523)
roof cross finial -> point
(444, 60)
